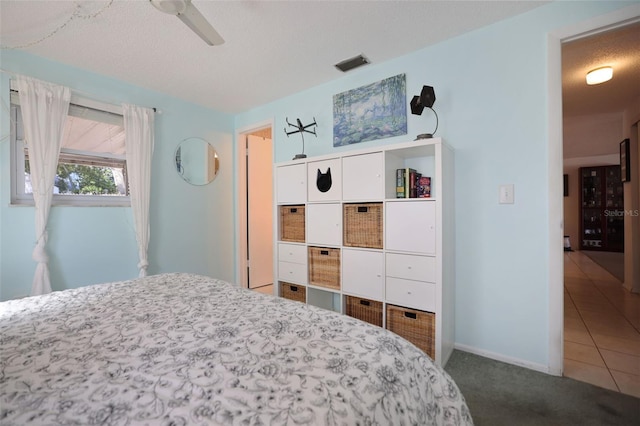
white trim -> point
(585, 30)
(555, 234)
(80, 201)
(502, 358)
(241, 277)
(615, 19)
(99, 155)
(555, 326)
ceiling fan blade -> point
(199, 24)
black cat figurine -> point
(323, 182)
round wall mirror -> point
(196, 161)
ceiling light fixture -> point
(599, 75)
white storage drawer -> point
(324, 224)
(363, 177)
(292, 272)
(292, 253)
(411, 226)
(334, 193)
(412, 294)
(291, 184)
(417, 268)
(363, 273)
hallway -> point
(601, 327)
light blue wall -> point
(191, 226)
(491, 92)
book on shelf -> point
(407, 180)
(400, 183)
(413, 183)
(423, 187)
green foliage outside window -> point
(90, 180)
(82, 179)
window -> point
(91, 166)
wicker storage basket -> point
(364, 309)
(293, 292)
(418, 327)
(292, 223)
(324, 267)
(362, 225)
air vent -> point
(351, 63)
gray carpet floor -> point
(500, 394)
(611, 261)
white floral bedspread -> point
(182, 349)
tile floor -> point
(601, 327)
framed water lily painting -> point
(374, 111)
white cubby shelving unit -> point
(401, 268)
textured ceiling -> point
(272, 48)
(593, 115)
(276, 48)
(619, 48)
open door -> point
(259, 211)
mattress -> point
(184, 349)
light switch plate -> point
(506, 194)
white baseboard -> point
(506, 359)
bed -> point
(184, 349)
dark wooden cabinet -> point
(602, 209)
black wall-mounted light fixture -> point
(426, 100)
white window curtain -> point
(44, 110)
(138, 127)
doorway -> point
(255, 209)
(601, 330)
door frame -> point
(555, 38)
(242, 278)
